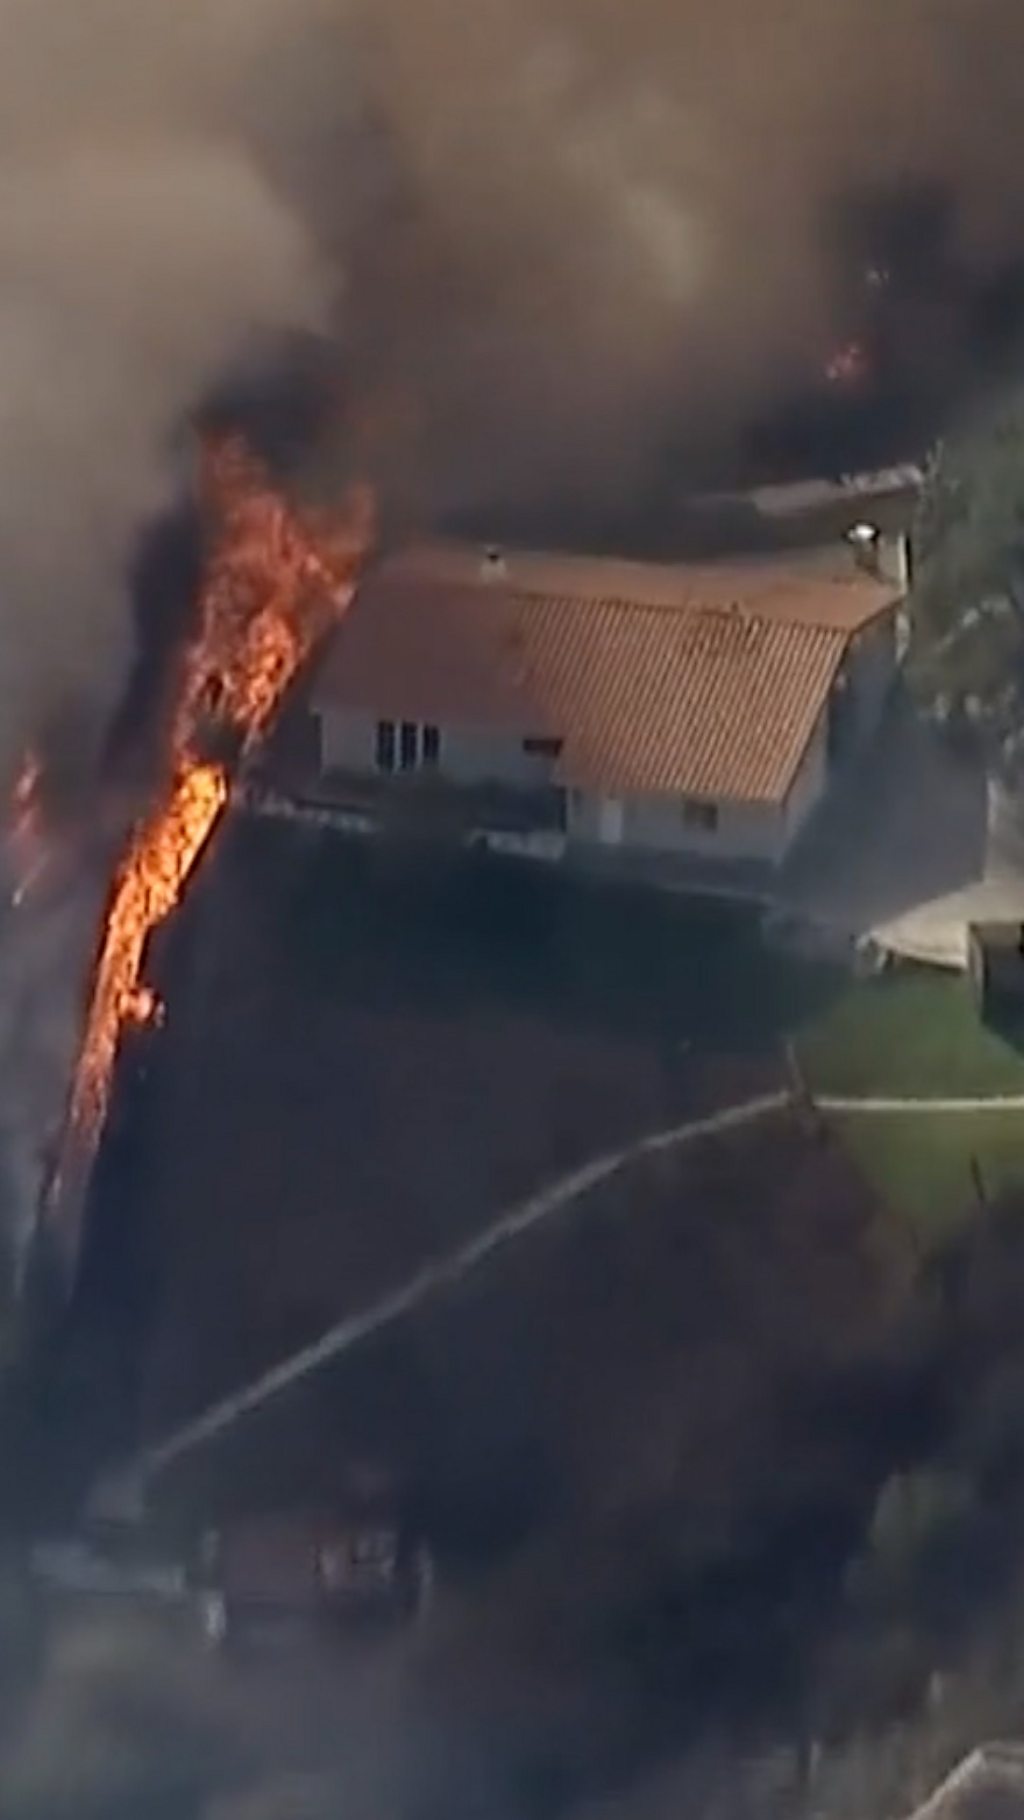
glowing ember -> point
(26, 789)
(26, 839)
(849, 366)
(273, 588)
(144, 1008)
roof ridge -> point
(677, 695)
(505, 590)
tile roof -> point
(703, 681)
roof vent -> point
(493, 566)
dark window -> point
(430, 750)
(701, 815)
(408, 745)
(385, 745)
(543, 748)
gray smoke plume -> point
(570, 231)
(570, 228)
(607, 225)
(141, 247)
(144, 246)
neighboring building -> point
(595, 704)
(799, 513)
(995, 966)
(987, 1785)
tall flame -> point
(275, 583)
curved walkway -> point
(448, 1271)
(457, 1265)
(989, 1102)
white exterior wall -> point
(583, 817)
(744, 830)
(476, 757)
(871, 666)
(656, 824)
(349, 743)
(811, 781)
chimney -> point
(897, 561)
(887, 558)
(493, 566)
(865, 542)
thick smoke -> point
(572, 231)
(606, 229)
(141, 248)
(144, 247)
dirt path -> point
(551, 1200)
(446, 1272)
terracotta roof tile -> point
(704, 682)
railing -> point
(530, 823)
(504, 808)
(501, 807)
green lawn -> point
(921, 1163)
(913, 1032)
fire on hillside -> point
(275, 582)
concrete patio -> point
(914, 847)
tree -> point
(967, 659)
(970, 529)
(920, 1521)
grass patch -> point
(913, 1032)
(920, 1163)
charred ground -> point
(648, 1442)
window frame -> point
(386, 749)
(408, 746)
(701, 815)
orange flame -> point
(275, 584)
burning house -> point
(275, 583)
(625, 711)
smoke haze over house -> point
(540, 240)
(566, 233)
(610, 226)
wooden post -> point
(803, 1099)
